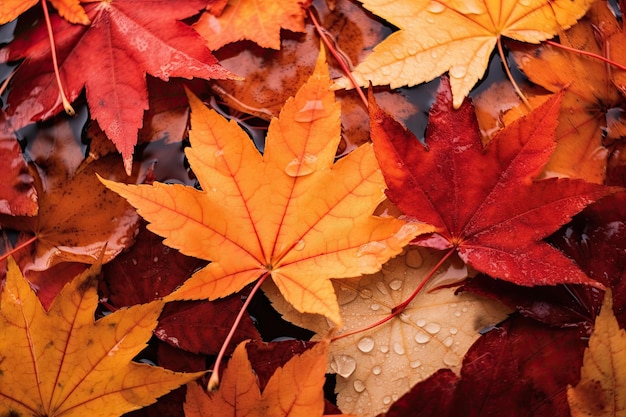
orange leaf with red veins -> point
(256, 20)
(63, 363)
(71, 10)
(291, 213)
(296, 389)
(601, 391)
(484, 201)
(110, 58)
(592, 111)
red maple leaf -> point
(484, 201)
(110, 58)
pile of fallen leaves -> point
(203, 215)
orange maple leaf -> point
(455, 36)
(290, 213)
(70, 10)
(295, 389)
(63, 363)
(593, 105)
(256, 20)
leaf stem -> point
(323, 35)
(66, 103)
(18, 248)
(508, 73)
(214, 381)
(5, 83)
(586, 53)
(400, 307)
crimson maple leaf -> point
(484, 201)
(110, 58)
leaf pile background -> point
(439, 248)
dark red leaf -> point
(484, 201)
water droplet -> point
(422, 338)
(382, 288)
(432, 328)
(451, 359)
(386, 70)
(299, 167)
(448, 341)
(458, 71)
(343, 365)
(421, 322)
(413, 258)
(435, 7)
(398, 348)
(464, 309)
(366, 344)
(366, 293)
(300, 245)
(454, 330)
(311, 111)
(359, 386)
(396, 284)
(387, 400)
(375, 307)
(433, 54)
(415, 364)
(371, 248)
(218, 153)
(384, 348)
(457, 314)
(377, 370)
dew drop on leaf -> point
(377, 370)
(451, 359)
(366, 293)
(366, 344)
(422, 338)
(371, 248)
(375, 306)
(343, 365)
(396, 284)
(387, 400)
(458, 71)
(311, 111)
(435, 7)
(432, 328)
(300, 245)
(359, 386)
(415, 364)
(454, 330)
(299, 167)
(398, 348)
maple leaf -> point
(296, 389)
(71, 10)
(70, 225)
(455, 36)
(110, 57)
(256, 20)
(484, 201)
(592, 108)
(290, 213)
(63, 363)
(601, 391)
(435, 330)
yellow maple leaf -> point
(434, 331)
(455, 36)
(290, 213)
(256, 20)
(70, 10)
(63, 363)
(296, 389)
(601, 391)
